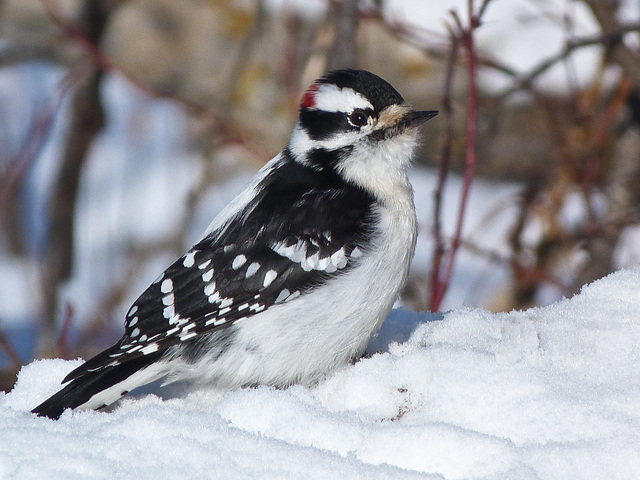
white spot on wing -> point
(168, 299)
(339, 259)
(256, 307)
(135, 333)
(166, 286)
(207, 276)
(226, 302)
(189, 260)
(330, 268)
(356, 253)
(187, 336)
(239, 261)
(172, 331)
(293, 295)
(296, 252)
(210, 288)
(252, 269)
(323, 263)
(132, 310)
(168, 312)
(216, 321)
(269, 277)
(152, 347)
(282, 296)
(312, 261)
(132, 322)
(204, 265)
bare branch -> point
(87, 119)
(443, 171)
(466, 37)
(604, 39)
(605, 13)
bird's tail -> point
(98, 388)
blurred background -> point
(126, 125)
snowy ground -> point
(548, 393)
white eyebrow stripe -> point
(330, 98)
(300, 143)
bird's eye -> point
(358, 118)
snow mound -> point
(546, 393)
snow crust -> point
(547, 393)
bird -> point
(294, 276)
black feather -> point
(85, 386)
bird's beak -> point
(416, 118)
(397, 119)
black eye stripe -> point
(321, 125)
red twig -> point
(443, 281)
(63, 338)
(443, 171)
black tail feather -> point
(83, 388)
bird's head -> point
(356, 124)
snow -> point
(547, 393)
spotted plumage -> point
(295, 275)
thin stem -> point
(443, 171)
(444, 281)
(63, 337)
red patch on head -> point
(309, 97)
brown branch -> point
(606, 39)
(606, 15)
(420, 38)
(87, 119)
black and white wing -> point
(296, 234)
